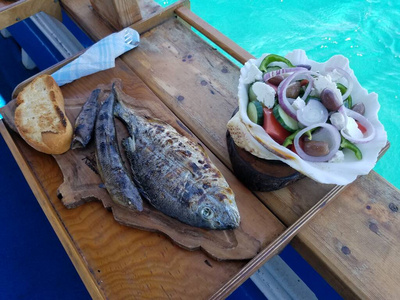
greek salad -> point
(310, 113)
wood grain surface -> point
(361, 234)
(233, 49)
(353, 243)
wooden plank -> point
(23, 9)
(276, 246)
(360, 232)
(214, 35)
(119, 13)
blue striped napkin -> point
(100, 56)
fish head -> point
(218, 210)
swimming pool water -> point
(367, 32)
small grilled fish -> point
(84, 123)
(175, 174)
(109, 163)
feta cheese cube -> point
(335, 75)
(338, 157)
(298, 103)
(352, 129)
(323, 82)
(252, 75)
(338, 120)
(264, 93)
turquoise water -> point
(2, 103)
(366, 32)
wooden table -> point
(352, 243)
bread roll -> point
(40, 116)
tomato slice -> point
(361, 127)
(304, 82)
(301, 144)
(273, 127)
(292, 148)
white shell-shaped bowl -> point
(340, 173)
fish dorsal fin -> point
(155, 120)
(129, 144)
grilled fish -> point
(109, 163)
(175, 174)
(84, 123)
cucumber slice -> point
(252, 95)
(263, 93)
(286, 121)
(255, 112)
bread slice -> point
(40, 116)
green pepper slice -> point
(273, 58)
(349, 145)
(348, 102)
(289, 140)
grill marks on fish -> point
(85, 122)
(109, 162)
(175, 174)
(172, 172)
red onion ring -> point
(271, 74)
(314, 112)
(309, 87)
(348, 78)
(283, 100)
(369, 134)
(308, 67)
(273, 86)
(334, 139)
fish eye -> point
(207, 213)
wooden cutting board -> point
(82, 182)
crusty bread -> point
(40, 116)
